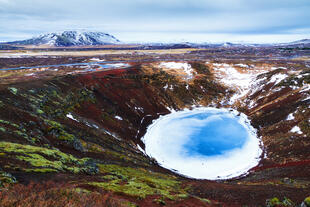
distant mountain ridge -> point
(89, 38)
(298, 43)
(70, 38)
(303, 41)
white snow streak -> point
(278, 78)
(187, 68)
(118, 117)
(296, 129)
(229, 76)
(290, 117)
(71, 117)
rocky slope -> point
(75, 134)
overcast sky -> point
(160, 20)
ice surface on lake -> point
(204, 143)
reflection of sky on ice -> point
(205, 143)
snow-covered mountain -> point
(298, 43)
(304, 41)
(70, 38)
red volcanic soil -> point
(34, 112)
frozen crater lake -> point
(204, 143)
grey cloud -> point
(205, 16)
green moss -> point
(201, 68)
(54, 93)
(204, 200)
(4, 122)
(110, 177)
(37, 160)
(39, 111)
(53, 124)
(276, 202)
(6, 178)
(58, 130)
(91, 147)
(273, 202)
(95, 148)
(13, 90)
(287, 202)
(24, 135)
(41, 170)
(66, 136)
(2, 129)
(305, 126)
(81, 190)
(47, 160)
(33, 139)
(129, 204)
(307, 201)
(160, 201)
(56, 104)
(139, 182)
(8, 123)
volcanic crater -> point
(76, 130)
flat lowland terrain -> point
(97, 52)
(71, 123)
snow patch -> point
(116, 65)
(118, 117)
(278, 78)
(275, 68)
(306, 88)
(91, 125)
(242, 65)
(30, 74)
(296, 129)
(170, 109)
(290, 117)
(231, 77)
(96, 60)
(139, 109)
(140, 148)
(187, 68)
(71, 117)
